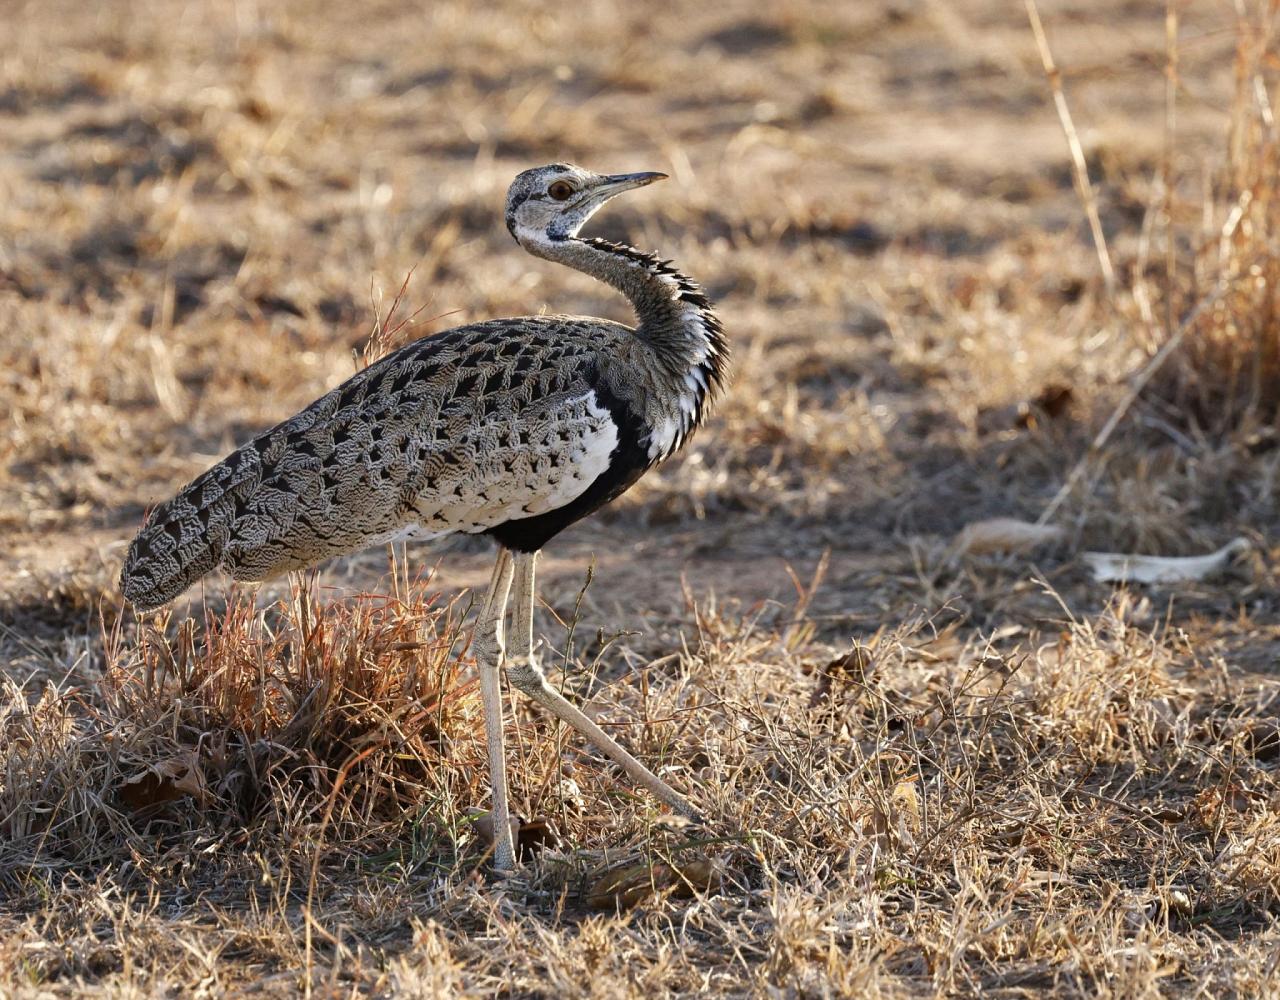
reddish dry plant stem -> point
(386, 329)
(309, 917)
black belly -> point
(629, 461)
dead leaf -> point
(529, 838)
(1211, 803)
(898, 821)
(1117, 567)
(535, 836)
(569, 792)
(1177, 902)
(1004, 534)
(855, 665)
(622, 888)
(1051, 402)
(482, 823)
(1262, 739)
(1040, 878)
(165, 781)
(1165, 719)
(674, 823)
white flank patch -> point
(590, 459)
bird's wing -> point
(459, 432)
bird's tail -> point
(185, 537)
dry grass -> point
(250, 724)
(923, 813)
(924, 773)
(1227, 374)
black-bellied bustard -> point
(514, 428)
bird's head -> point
(551, 203)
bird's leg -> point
(487, 644)
(525, 674)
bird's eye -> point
(560, 190)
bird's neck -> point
(675, 321)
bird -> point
(510, 428)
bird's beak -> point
(617, 183)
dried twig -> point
(1079, 169)
(1130, 397)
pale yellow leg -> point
(488, 646)
(526, 675)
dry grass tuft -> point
(930, 812)
(1226, 375)
(306, 720)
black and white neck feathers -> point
(675, 321)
